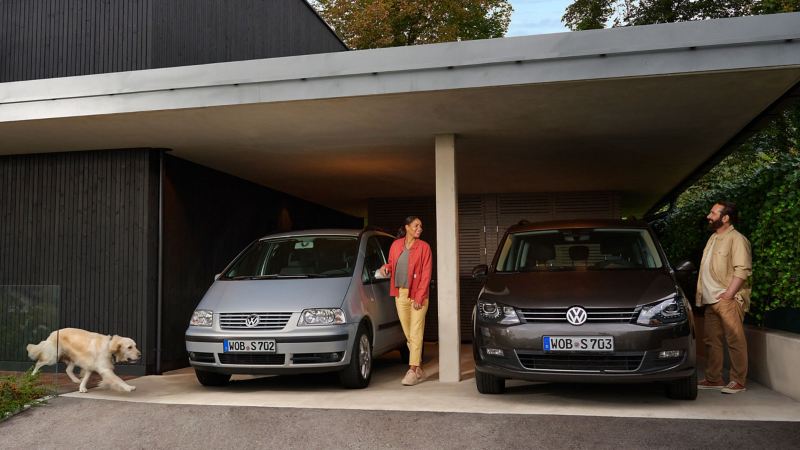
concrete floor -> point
(385, 393)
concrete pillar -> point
(447, 260)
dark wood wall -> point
(85, 222)
(209, 217)
(60, 38)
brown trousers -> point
(723, 320)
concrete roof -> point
(630, 109)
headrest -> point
(542, 252)
(579, 253)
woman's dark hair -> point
(401, 233)
(729, 209)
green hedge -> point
(763, 179)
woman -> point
(410, 265)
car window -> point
(577, 249)
(385, 244)
(300, 256)
(373, 259)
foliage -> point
(390, 23)
(592, 14)
(762, 177)
(776, 238)
(588, 14)
(16, 392)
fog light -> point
(669, 354)
(494, 352)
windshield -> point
(578, 249)
(296, 257)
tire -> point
(358, 373)
(685, 389)
(489, 384)
(212, 378)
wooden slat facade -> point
(60, 38)
(85, 222)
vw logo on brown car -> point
(576, 315)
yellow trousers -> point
(413, 322)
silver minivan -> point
(298, 302)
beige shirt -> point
(711, 289)
(725, 256)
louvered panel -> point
(578, 205)
(511, 208)
(470, 250)
(469, 296)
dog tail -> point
(35, 350)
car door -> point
(388, 331)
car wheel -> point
(685, 389)
(212, 378)
(358, 373)
(489, 384)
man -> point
(723, 288)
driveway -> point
(387, 394)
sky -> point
(537, 17)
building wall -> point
(60, 38)
(209, 217)
(87, 223)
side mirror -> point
(216, 277)
(480, 272)
(685, 266)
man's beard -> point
(715, 225)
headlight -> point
(497, 313)
(202, 318)
(321, 316)
(671, 310)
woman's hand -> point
(416, 305)
(385, 270)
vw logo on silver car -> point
(252, 321)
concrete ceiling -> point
(632, 109)
(637, 136)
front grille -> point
(266, 321)
(577, 362)
(597, 315)
(253, 359)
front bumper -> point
(306, 350)
(635, 356)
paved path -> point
(387, 394)
(82, 423)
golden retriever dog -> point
(92, 352)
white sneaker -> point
(410, 379)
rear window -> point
(579, 249)
(296, 257)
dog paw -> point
(83, 390)
(129, 388)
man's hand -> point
(725, 296)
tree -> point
(592, 14)
(391, 23)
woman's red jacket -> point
(420, 266)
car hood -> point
(609, 288)
(279, 295)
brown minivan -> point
(588, 301)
